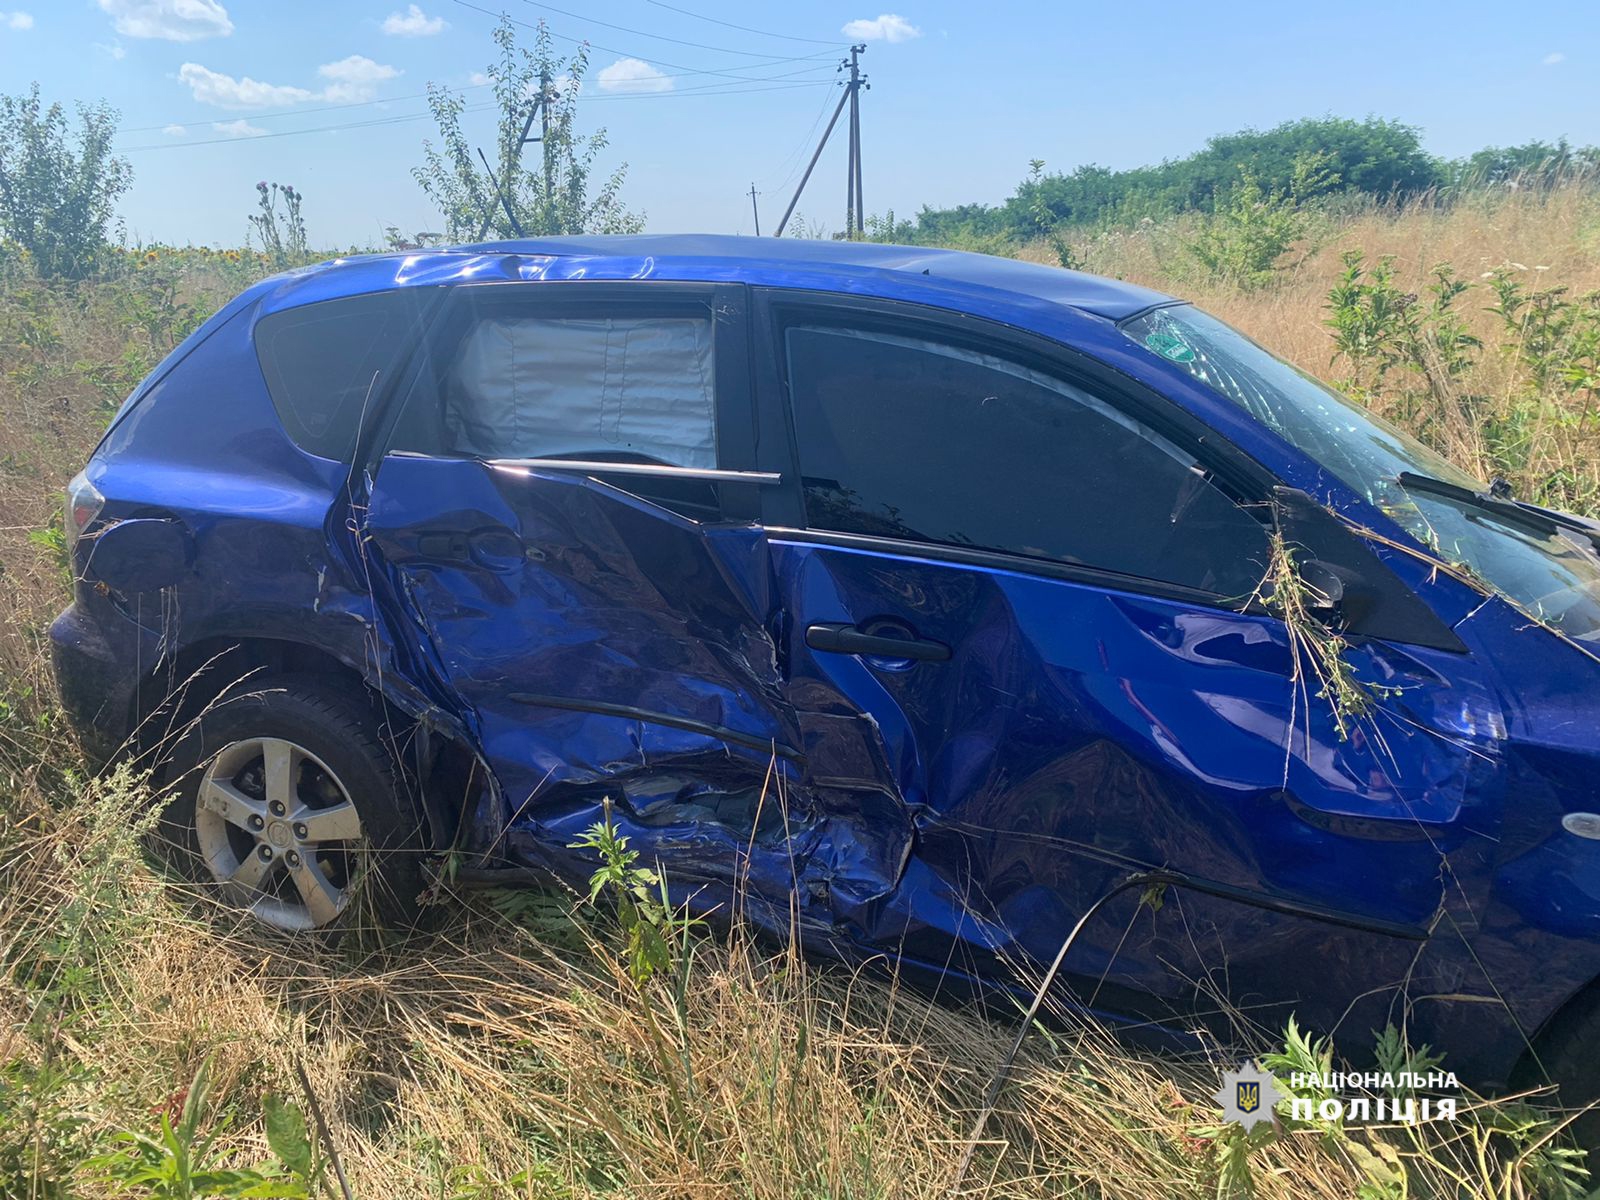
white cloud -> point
(890, 27)
(213, 87)
(172, 20)
(633, 75)
(175, 130)
(16, 20)
(1551, 60)
(478, 79)
(114, 51)
(413, 23)
(350, 79)
(240, 129)
(354, 78)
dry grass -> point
(1543, 239)
(509, 1055)
(514, 1045)
(1554, 236)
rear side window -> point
(633, 388)
(323, 362)
(913, 439)
(591, 381)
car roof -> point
(766, 260)
(870, 268)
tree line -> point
(1308, 159)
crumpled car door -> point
(602, 646)
(605, 649)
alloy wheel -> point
(278, 830)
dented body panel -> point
(603, 647)
(586, 642)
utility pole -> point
(544, 133)
(540, 109)
(855, 221)
(754, 211)
(505, 201)
(855, 214)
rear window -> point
(323, 362)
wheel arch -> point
(438, 757)
(1534, 1066)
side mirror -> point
(142, 554)
(1332, 589)
(1355, 590)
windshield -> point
(1553, 575)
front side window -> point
(914, 439)
(1552, 574)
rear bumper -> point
(96, 676)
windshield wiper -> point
(1498, 501)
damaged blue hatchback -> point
(915, 600)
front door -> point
(1021, 597)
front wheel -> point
(291, 806)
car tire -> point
(287, 802)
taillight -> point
(84, 503)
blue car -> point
(909, 600)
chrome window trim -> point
(658, 470)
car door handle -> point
(491, 547)
(848, 639)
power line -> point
(300, 112)
(296, 112)
(657, 37)
(712, 90)
(791, 164)
(735, 77)
(680, 72)
(788, 37)
(399, 120)
(257, 137)
(709, 90)
(634, 54)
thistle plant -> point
(286, 246)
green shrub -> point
(56, 198)
(1249, 234)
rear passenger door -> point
(1017, 593)
(566, 506)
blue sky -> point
(963, 94)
